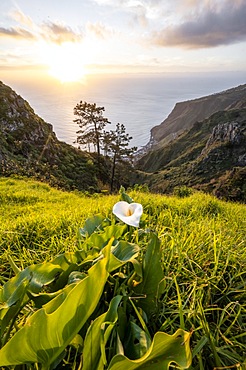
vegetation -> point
(196, 244)
(114, 143)
(117, 148)
(198, 158)
(91, 122)
(28, 146)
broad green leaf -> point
(91, 224)
(37, 275)
(152, 276)
(125, 251)
(13, 295)
(10, 308)
(92, 345)
(165, 350)
(76, 276)
(71, 262)
(67, 259)
(101, 239)
(115, 231)
(121, 253)
(50, 329)
(138, 341)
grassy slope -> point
(187, 161)
(203, 241)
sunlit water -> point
(139, 102)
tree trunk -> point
(112, 175)
(98, 149)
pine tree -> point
(92, 122)
(118, 148)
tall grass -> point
(203, 257)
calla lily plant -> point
(130, 214)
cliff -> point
(185, 114)
(210, 156)
(28, 146)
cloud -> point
(208, 28)
(55, 32)
(21, 18)
(59, 33)
(99, 30)
(140, 10)
(16, 32)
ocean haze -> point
(140, 102)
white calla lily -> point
(128, 213)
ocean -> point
(140, 102)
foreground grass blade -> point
(165, 349)
(49, 330)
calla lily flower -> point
(128, 213)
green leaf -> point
(70, 262)
(15, 293)
(121, 253)
(91, 224)
(124, 196)
(37, 275)
(49, 330)
(95, 337)
(101, 239)
(152, 276)
(165, 349)
(125, 251)
(10, 308)
(138, 342)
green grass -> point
(203, 256)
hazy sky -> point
(123, 35)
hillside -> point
(186, 113)
(28, 146)
(210, 155)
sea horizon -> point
(140, 101)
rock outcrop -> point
(229, 132)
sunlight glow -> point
(65, 61)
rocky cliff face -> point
(224, 149)
(21, 129)
(28, 146)
(229, 132)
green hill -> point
(28, 146)
(208, 154)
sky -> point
(68, 39)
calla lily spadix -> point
(128, 213)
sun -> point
(65, 61)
